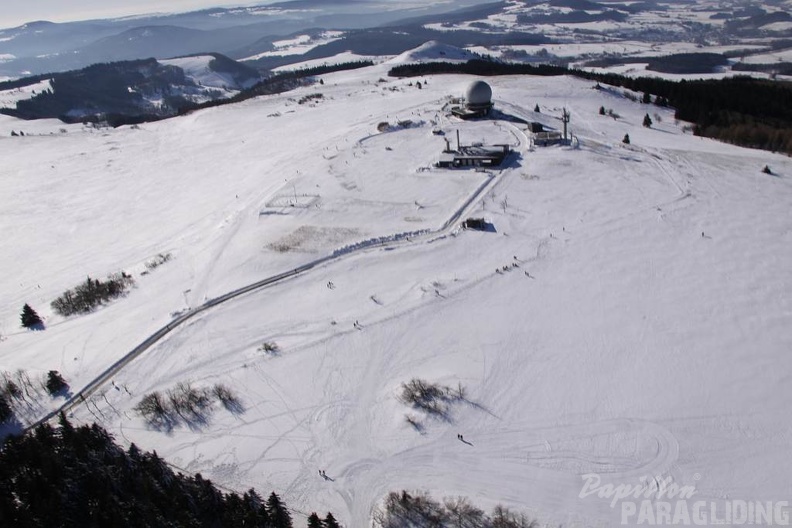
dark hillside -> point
(79, 477)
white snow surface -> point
(433, 51)
(297, 45)
(9, 98)
(339, 58)
(644, 332)
(197, 68)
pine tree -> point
(646, 98)
(314, 521)
(5, 409)
(602, 110)
(647, 122)
(279, 515)
(30, 319)
(536, 108)
(257, 510)
(330, 521)
(55, 382)
(626, 139)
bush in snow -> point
(227, 397)
(270, 347)
(90, 294)
(158, 261)
(153, 408)
(431, 398)
(187, 401)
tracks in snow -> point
(366, 245)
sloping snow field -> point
(630, 315)
(199, 70)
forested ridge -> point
(71, 476)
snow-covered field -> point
(298, 45)
(630, 315)
(9, 98)
(198, 68)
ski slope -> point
(641, 327)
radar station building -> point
(477, 103)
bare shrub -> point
(410, 509)
(417, 509)
(186, 404)
(187, 400)
(153, 407)
(227, 397)
(270, 347)
(158, 261)
(90, 294)
(462, 514)
(432, 398)
(502, 517)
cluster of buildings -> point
(477, 103)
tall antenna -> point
(565, 119)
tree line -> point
(104, 88)
(69, 476)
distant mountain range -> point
(40, 47)
(272, 36)
(156, 65)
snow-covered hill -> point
(131, 88)
(434, 51)
(215, 71)
(629, 315)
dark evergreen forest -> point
(71, 476)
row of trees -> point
(79, 477)
(413, 510)
(185, 403)
(93, 292)
(19, 393)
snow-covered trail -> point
(628, 316)
(338, 429)
(385, 242)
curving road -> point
(406, 238)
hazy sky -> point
(17, 12)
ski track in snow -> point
(566, 366)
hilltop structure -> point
(477, 103)
(476, 155)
